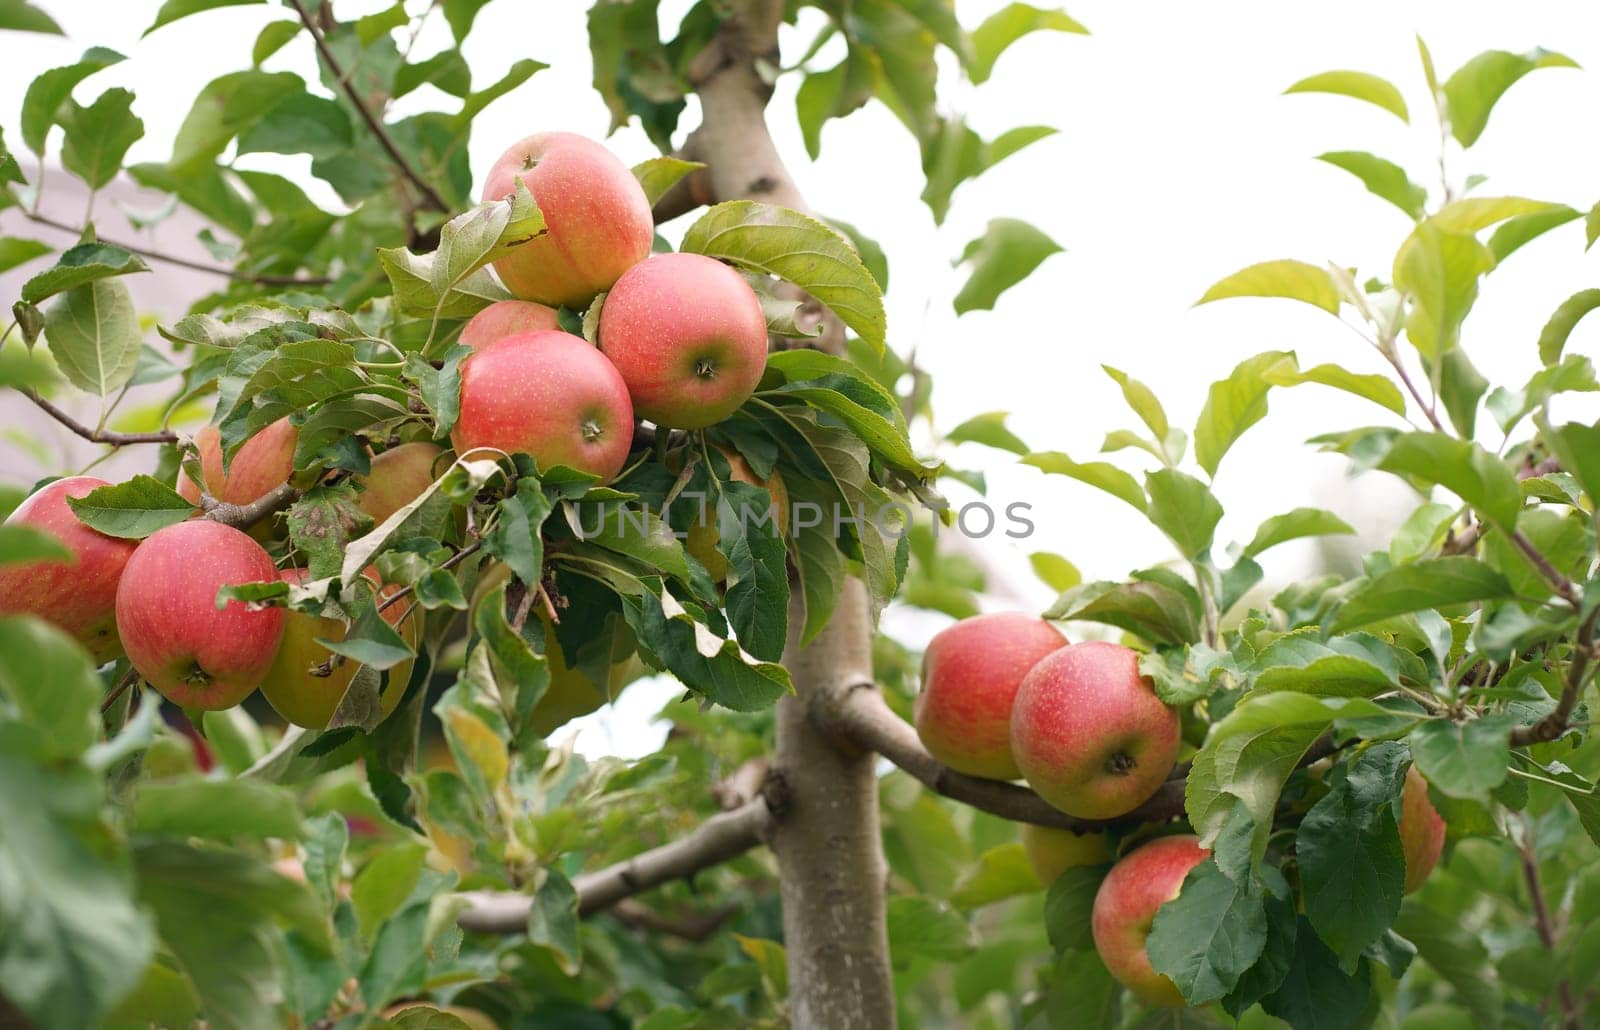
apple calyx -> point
(591, 430)
(1120, 763)
(705, 368)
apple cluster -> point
(1006, 696)
(682, 343)
(682, 337)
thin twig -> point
(1556, 723)
(96, 435)
(183, 262)
(1546, 928)
(128, 679)
(429, 194)
(243, 516)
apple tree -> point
(280, 715)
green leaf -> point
(72, 942)
(1277, 955)
(1355, 666)
(1207, 937)
(1153, 611)
(1460, 959)
(221, 809)
(299, 124)
(1578, 448)
(1473, 89)
(1054, 571)
(224, 108)
(798, 249)
(1432, 583)
(1315, 992)
(832, 93)
(955, 153)
(1007, 25)
(384, 884)
(21, 544)
(22, 16)
(553, 921)
(1001, 872)
(1360, 86)
(16, 250)
(93, 334)
(1464, 468)
(1294, 525)
(1376, 388)
(1007, 253)
(1235, 404)
(370, 28)
(1553, 338)
(460, 15)
(1383, 179)
(1100, 474)
(660, 174)
(274, 36)
(1183, 508)
(50, 683)
(172, 10)
(98, 137)
(758, 579)
(80, 266)
(371, 641)
(990, 430)
(1464, 759)
(706, 663)
(1352, 866)
(1523, 229)
(42, 103)
(923, 928)
(1286, 278)
(1440, 271)
(1143, 401)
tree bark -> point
(829, 844)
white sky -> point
(1177, 163)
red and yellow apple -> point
(1052, 851)
(550, 396)
(506, 318)
(196, 655)
(1125, 907)
(970, 675)
(1089, 733)
(79, 597)
(308, 700)
(689, 337)
(1421, 830)
(262, 464)
(398, 477)
(597, 218)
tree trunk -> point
(829, 843)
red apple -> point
(504, 318)
(398, 477)
(80, 597)
(308, 700)
(1089, 733)
(688, 335)
(597, 218)
(548, 395)
(1421, 830)
(970, 675)
(193, 653)
(1052, 851)
(1150, 876)
(264, 463)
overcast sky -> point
(1178, 162)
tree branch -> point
(429, 195)
(96, 435)
(182, 262)
(1555, 724)
(1546, 930)
(243, 516)
(721, 837)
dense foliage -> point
(161, 867)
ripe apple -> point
(1052, 851)
(1421, 830)
(597, 218)
(308, 700)
(1089, 733)
(688, 335)
(704, 532)
(79, 597)
(549, 395)
(970, 675)
(264, 463)
(1125, 906)
(505, 317)
(398, 476)
(194, 654)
